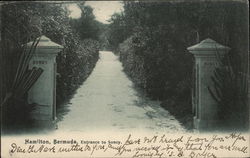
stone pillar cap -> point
(46, 43)
(208, 45)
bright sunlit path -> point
(103, 10)
(107, 100)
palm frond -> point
(24, 78)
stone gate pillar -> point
(43, 92)
(205, 107)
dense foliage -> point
(24, 22)
(73, 70)
(230, 91)
(87, 27)
(152, 38)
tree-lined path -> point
(108, 100)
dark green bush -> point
(73, 70)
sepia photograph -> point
(135, 78)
